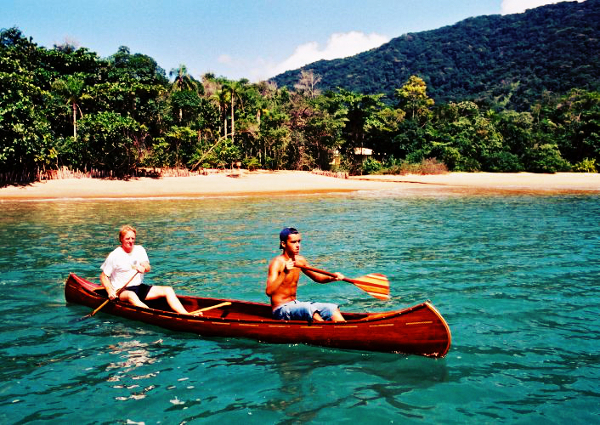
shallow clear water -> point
(515, 277)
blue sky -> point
(254, 39)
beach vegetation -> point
(586, 166)
(392, 166)
(67, 108)
(251, 163)
(371, 166)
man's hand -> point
(112, 294)
(110, 291)
(338, 276)
(289, 265)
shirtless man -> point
(282, 283)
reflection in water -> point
(134, 353)
(314, 379)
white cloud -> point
(339, 45)
(225, 59)
(519, 6)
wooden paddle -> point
(108, 300)
(374, 284)
(199, 312)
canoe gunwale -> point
(379, 325)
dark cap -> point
(283, 235)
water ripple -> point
(515, 277)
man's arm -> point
(318, 277)
(108, 286)
(278, 269)
(143, 267)
(142, 263)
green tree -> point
(183, 82)
(412, 97)
(546, 158)
(72, 89)
(577, 116)
(182, 79)
(359, 112)
(322, 132)
(383, 128)
(108, 142)
(26, 140)
(232, 91)
(139, 67)
(274, 123)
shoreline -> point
(263, 183)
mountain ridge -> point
(492, 58)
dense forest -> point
(507, 59)
(66, 108)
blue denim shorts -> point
(298, 310)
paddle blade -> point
(374, 284)
(92, 313)
(79, 319)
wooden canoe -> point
(415, 330)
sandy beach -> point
(298, 182)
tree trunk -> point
(74, 121)
(232, 120)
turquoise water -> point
(515, 277)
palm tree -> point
(212, 87)
(232, 90)
(183, 81)
(71, 88)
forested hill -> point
(509, 59)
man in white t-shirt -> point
(131, 261)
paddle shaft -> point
(223, 304)
(117, 294)
(375, 285)
(312, 269)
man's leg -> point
(337, 316)
(169, 294)
(328, 311)
(132, 298)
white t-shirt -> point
(118, 266)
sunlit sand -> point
(247, 183)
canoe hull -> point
(416, 330)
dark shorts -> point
(140, 290)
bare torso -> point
(282, 280)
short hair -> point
(285, 233)
(124, 229)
